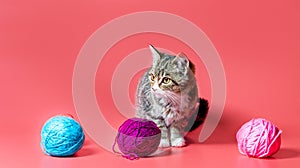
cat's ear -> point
(182, 62)
(155, 53)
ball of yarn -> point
(61, 136)
(258, 138)
(138, 138)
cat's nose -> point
(153, 89)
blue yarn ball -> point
(61, 136)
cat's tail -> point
(201, 115)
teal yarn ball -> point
(61, 136)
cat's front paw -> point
(164, 143)
(178, 142)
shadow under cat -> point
(223, 134)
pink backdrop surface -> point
(258, 42)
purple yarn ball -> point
(138, 138)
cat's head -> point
(169, 74)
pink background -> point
(258, 42)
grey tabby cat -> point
(167, 94)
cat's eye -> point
(152, 77)
(166, 80)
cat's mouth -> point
(158, 94)
(170, 97)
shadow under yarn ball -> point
(61, 136)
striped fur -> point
(167, 94)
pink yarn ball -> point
(258, 138)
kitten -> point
(167, 94)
